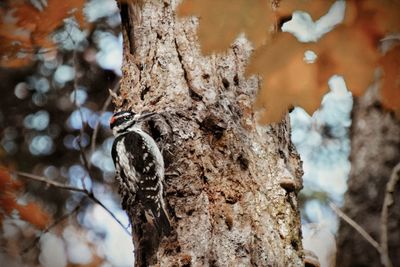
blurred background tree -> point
(55, 101)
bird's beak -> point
(142, 117)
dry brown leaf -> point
(287, 79)
(42, 23)
(222, 21)
(376, 18)
(8, 187)
(390, 88)
(348, 52)
(32, 212)
(26, 29)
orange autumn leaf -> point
(390, 88)
(24, 29)
(42, 23)
(222, 21)
(287, 78)
(290, 81)
(375, 18)
(8, 187)
(14, 62)
(31, 212)
(6, 182)
(352, 47)
(348, 52)
(34, 214)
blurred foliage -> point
(351, 49)
(25, 29)
(52, 103)
(30, 212)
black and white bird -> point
(139, 167)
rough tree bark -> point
(375, 150)
(232, 185)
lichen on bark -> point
(231, 184)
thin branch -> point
(89, 194)
(55, 223)
(81, 130)
(85, 162)
(51, 183)
(388, 201)
(96, 200)
(97, 127)
(383, 247)
(87, 167)
(356, 226)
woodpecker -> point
(139, 167)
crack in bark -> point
(127, 26)
(192, 93)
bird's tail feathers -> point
(158, 216)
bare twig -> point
(85, 163)
(383, 247)
(81, 130)
(89, 194)
(92, 197)
(388, 201)
(87, 167)
(50, 183)
(356, 226)
(55, 223)
(97, 127)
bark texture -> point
(231, 185)
(375, 150)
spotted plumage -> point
(139, 167)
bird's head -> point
(121, 121)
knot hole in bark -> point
(214, 125)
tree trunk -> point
(375, 150)
(231, 185)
